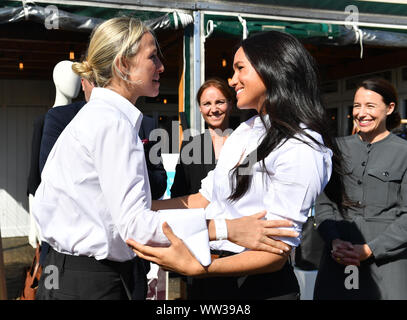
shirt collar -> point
(257, 123)
(116, 100)
(369, 144)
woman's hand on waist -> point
(254, 233)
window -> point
(350, 84)
(333, 120)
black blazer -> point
(56, 119)
(188, 177)
(156, 172)
(34, 176)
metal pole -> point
(196, 118)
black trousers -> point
(67, 277)
(279, 285)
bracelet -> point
(221, 229)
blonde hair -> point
(111, 43)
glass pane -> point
(351, 84)
(329, 87)
(333, 120)
(404, 74)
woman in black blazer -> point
(198, 154)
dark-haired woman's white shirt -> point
(95, 191)
(297, 173)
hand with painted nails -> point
(178, 258)
(253, 232)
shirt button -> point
(386, 174)
(359, 182)
(359, 203)
(369, 145)
(364, 164)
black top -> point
(56, 119)
(197, 158)
(34, 176)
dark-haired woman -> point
(370, 238)
(279, 160)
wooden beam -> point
(367, 65)
(3, 287)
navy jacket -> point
(55, 121)
(34, 176)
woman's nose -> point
(232, 81)
(160, 66)
(362, 111)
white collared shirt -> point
(297, 174)
(95, 191)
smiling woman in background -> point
(215, 101)
(373, 234)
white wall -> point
(20, 103)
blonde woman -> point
(95, 192)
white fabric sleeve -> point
(207, 186)
(301, 173)
(120, 163)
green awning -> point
(373, 7)
(317, 33)
(232, 26)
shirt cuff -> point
(376, 247)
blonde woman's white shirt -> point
(95, 191)
(297, 173)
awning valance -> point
(85, 18)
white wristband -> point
(221, 229)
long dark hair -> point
(293, 98)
